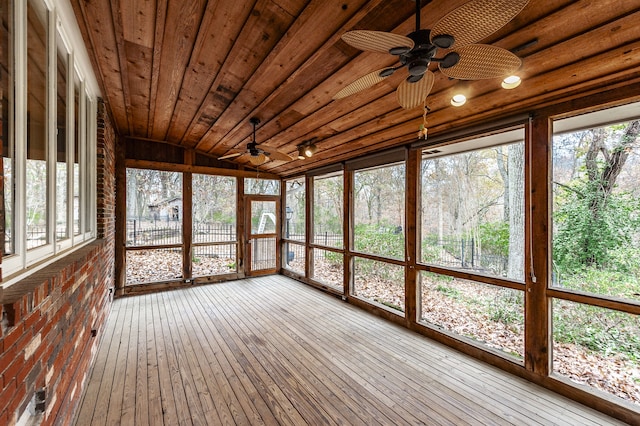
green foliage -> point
(368, 269)
(379, 239)
(506, 307)
(494, 238)
(597, 329)
(604, 282)
(595, 230)
(448, 291)
(221, 217)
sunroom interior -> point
(505, 230)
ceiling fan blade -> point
(226, 157)
(480, 61)
(376, 41)
(412, 95)
(477, 20)
(273, 154)
(360, 84)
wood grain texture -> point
(272, 351)
(194, 73)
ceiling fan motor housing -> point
(419, 58)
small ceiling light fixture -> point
(458, 100)
(310, 149)
(511, 82)
(307, 148)
(301, 152)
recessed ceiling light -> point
(458, 100)
(511, 82)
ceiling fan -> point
(258, 154)
(456, 32)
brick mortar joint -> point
(16, 292)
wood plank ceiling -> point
(193, 72)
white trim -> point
(20, 126)
(68, 18)
(61, 33)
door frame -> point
(249, 237)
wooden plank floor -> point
(273, 351)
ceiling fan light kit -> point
(458, 32)
(258, 154)
(511, 82)
(458, 100)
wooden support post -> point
(240, 220)
(187, 216)
(411, 236)
(538, 244)
(308, 232)
(187, 224)
(121, 217)
(347, 231)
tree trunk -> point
(515, 160)
(505, 181)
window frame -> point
(23, 262)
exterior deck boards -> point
(273, 351)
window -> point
(78, 151)
(379, 282)
(154, 226)
(49, 176)
(378, 211)
(261, 186)
(62, 142)
(596, 250)
(295, 209)
(473, 209)
(37, 165)
(472, 219)
(293, 257)
(215, 238)
(6, 130)
(596, 209)
(328, 268)
(379, 222)
(328, 210)
(489, 315)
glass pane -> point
(77, 202)
(37, 195)
(263, 254)
(263, 217)
(261, 186)
(213, 260)
(597, 347)
(379, 211)
(90, 164)
(148, 266)
(294, 258)
(295, 210)
(6, 103)
(473, 211)
(379, 282)
(327, 210)
(154, 207)
(328, 268)
(490, 315)
(214, 208)
(596, 210)
(62, 178)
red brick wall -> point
(46, 340)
